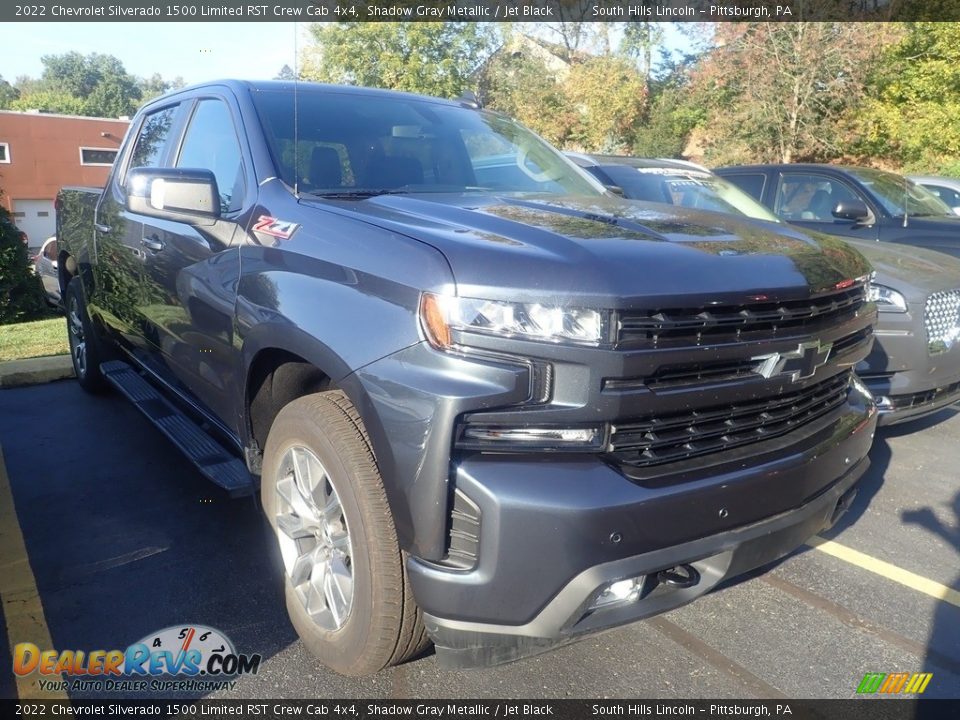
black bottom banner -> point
(878, 708)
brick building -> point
(41, 152)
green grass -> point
(33, 339)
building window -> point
(97, 156)
(4, 152)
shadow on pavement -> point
(125, 537)
(944, 637)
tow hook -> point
(680, 576)
(843, 504)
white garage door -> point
(36, 218)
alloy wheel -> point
(314, 538)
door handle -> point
(153, 243)
(101, 228)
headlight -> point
(887, 299)
(439, 315)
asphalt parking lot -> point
(124, 538)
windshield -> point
(900, 196)
(687, 188)
(354, 144)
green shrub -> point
(21, 292)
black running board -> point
(211, 458)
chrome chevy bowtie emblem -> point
(798, 364)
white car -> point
(45, 265)
(947, 189)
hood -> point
(607, 252)
(914, 272)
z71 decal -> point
(272, 226)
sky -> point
(194, 51)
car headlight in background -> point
(887, 299)
(441, 314)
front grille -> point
(941, 317)
(927, 397)
(669, 438)
(669, 377)
(735, 323)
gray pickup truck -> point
(485, 402)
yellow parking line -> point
(885, 569)
(19, 596)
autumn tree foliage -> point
(434, 58)
(776, 92)
(911, 116)
(608, 96)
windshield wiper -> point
(363, 193)
(359, 193)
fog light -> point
(621, 592)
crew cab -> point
(914, 367)
(484, 401)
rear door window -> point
(153, 138)
(752, 184)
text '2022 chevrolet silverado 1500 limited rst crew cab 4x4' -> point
(486, 402)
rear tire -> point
(85, 351)
(346, 586)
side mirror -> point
(854, 210)
(616, 190)
(181, 194)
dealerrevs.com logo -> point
(195, 656)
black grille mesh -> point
(735, 323)
(681, 436)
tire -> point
(318, 455)
(85, 348)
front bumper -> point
(907, 381)
(555, 532)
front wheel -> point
(346, 587)
(84, 347)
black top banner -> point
(479, 10)
(880, 708)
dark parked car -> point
(852, 202)
(914, 368)
(485, 401)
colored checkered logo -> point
(894, 683)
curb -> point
(34, 371)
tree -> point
(434, 58)
(286, 73)
(640, 37)
(155, 86)
(8, 93)
(21, 293)
(776, 92)
(608, 95)
(55, 101)
(94, 84)
(520, 85)
(912, 115)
